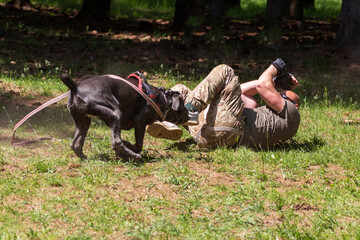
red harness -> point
(140, 86)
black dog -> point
(120, 107)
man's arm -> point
(248, 90)
(265, 86)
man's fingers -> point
(294, 81)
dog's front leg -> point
(139, 137)
(118, 145)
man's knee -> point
(177, 87)
(225, 71)
(224, 68)
(182, 89)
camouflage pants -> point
(218, 99)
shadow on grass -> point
(305, 146)
(183, 146)
(112, 158)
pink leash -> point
(64, 95)
(54, 100)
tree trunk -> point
(181, 14)
(279, 9)
(309, 3)
(200, 9)
(349, 26)
(220, 8)
(21, 4)
(276, 10)
(184, 9)
(97, 10)
(296, 9)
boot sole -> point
(190, 123)
(158, 130)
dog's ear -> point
(173, 99)
(176, 102)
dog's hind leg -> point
(82, 124)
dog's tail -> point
(68, 82)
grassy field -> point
(307, 188)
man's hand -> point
(286, 81)
(295, 82)
(280, 66)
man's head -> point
(291, 97)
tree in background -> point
(21, 4)
(215, 10)
(309, 3)
(349, 25)
(183, 10)
(279, 9)
(219, 8)
(98, 10)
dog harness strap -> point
(139, 79)
(144, 86)
(147, 98)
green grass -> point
(308, 188)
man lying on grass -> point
(223, 112)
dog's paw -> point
(132, 147)
(79, 153)
(134, 157)
(137, 157)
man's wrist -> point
(274, 72)
(280, 66)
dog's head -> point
(175, 108)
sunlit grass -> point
(307, 188)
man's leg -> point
(165, 129)
(222, 123)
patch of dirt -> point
(330, 171)
(288, 182)
(209, 173)
(336, 171)
(12, 168)
(140, 188)
(313, 168)
(305, 207)
(272, 219)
